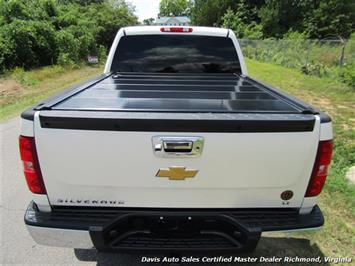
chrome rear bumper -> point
(132, 229)
(57, 237)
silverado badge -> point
(176, 173)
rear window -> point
(175, 54)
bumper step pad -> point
(175, 232)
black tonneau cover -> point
(170, 92)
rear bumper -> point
(157, 229)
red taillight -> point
(175, 29)
(320, 168)
(31, 167)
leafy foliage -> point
(277, 17)
(173, 7)
(239, 21)
(28, 43)
(210, 12)
(331, 18)
(274, 18)
(42, 32)
(149, 21)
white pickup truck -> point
(173, 147)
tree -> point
(80, 2)
(109, 19)
(317, 19)
(278, 16)
(41, 32)
(148, 21)
(239, 22)
(14, 10)
(211, 12)
(29, 43)
(331, 19)
(173, 8)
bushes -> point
(75, 43)
(315, 69)
(347, 74)
(29, 43)
(5, 52)
(42, 32)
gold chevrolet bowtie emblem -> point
(176, 173)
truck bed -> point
(226, 93)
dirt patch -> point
(9, 90)
(322, 101)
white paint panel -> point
(308, 204)
(112, 52)
(42, 202)
(207, 31)
(326, 131)
(239, 52)
(235, 169)
(26, 128)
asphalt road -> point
(17, 247)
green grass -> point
(338, 198)
(22, 89)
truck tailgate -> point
(107, 159)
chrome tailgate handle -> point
(177, 146)
(171, 146)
